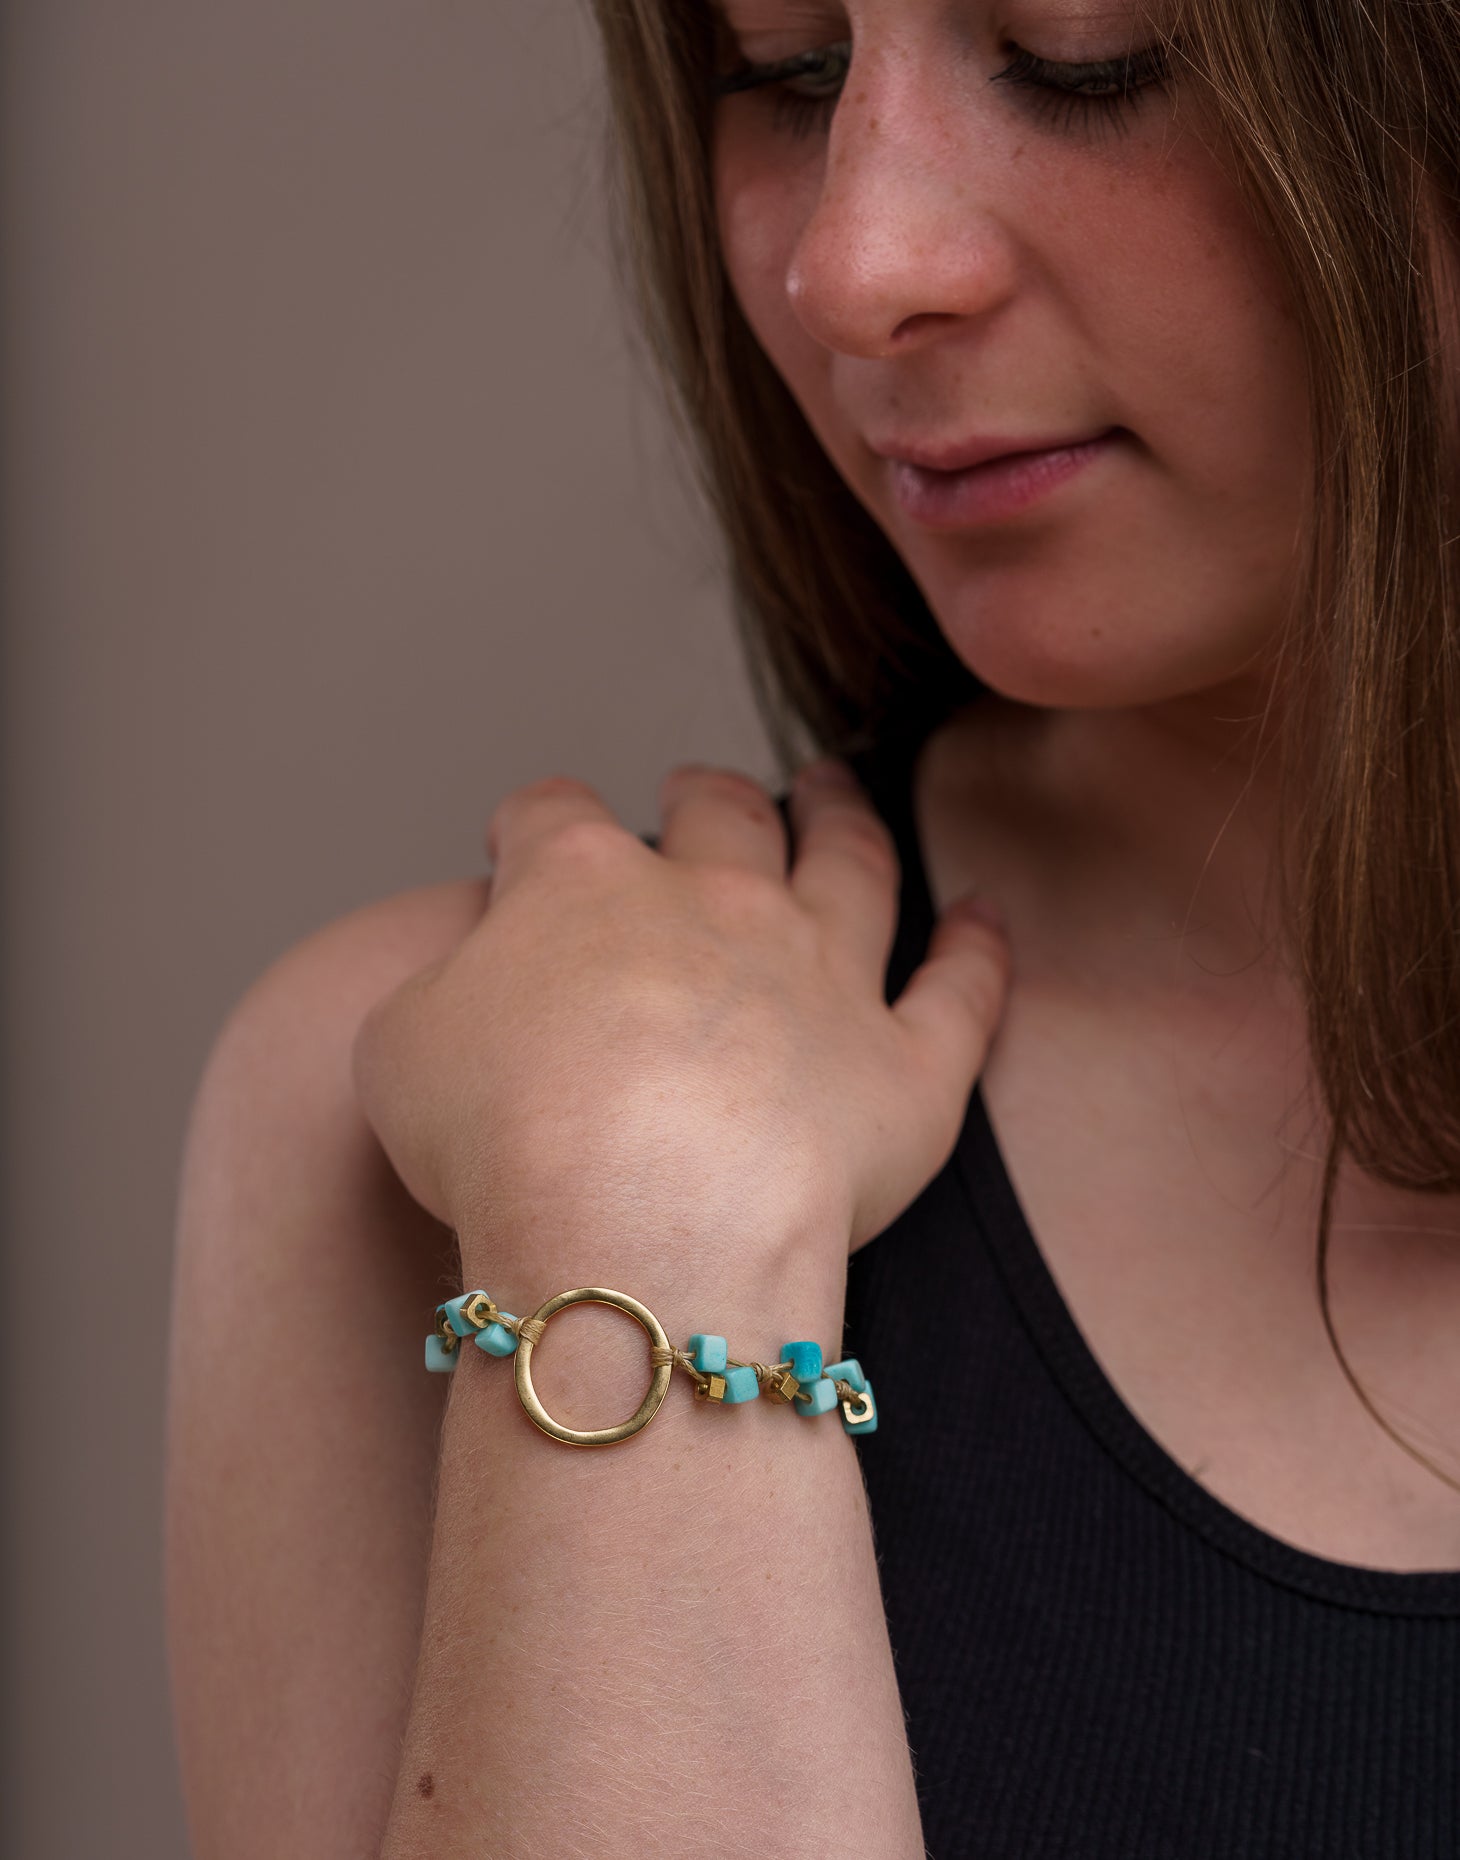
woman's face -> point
(942, 255)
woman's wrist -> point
(680, 1311)
(604, 1630)
(681, 1252)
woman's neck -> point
(1136, 844)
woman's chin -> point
(1099, 663)
(1098, 674)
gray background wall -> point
(334, 507)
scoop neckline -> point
(994, 1206)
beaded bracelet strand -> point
(798, 1378)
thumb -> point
(953, 999)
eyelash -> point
(1055, 90)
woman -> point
(1076, 387)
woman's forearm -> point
(669, 1643)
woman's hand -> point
(686, 1047)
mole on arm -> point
(427, 1784)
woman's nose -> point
(909, 234)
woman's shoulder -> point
(368, 951)
(275, 1134)
(284, 1047)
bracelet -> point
(798, 1378)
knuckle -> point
(740, 895)
(724, 783)
(544, 788)
(866, 838)
(587, 841)
(517, 806)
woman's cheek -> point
(761, 203)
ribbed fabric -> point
(1096, 1656)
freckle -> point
(1095, 632)
(427, 1784)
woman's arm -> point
(675, 1074)
(671, 1645)
(302, 1430)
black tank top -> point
(1096, 1656)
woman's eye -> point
(1066, 94)
(814, 72)
(1062, 93)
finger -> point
(715, 816)
(846, 868)
(529, 817)
(954, 998)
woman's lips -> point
(994, 491)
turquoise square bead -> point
(805, 1359)
(862, 1427)
(817, 1397)
(496, 1339)
(708, 1353)
(848, 1370)
(741, 1383)
(438, 1357)
(456, 1317)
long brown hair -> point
(1338, 119)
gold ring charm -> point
(595, 1436)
